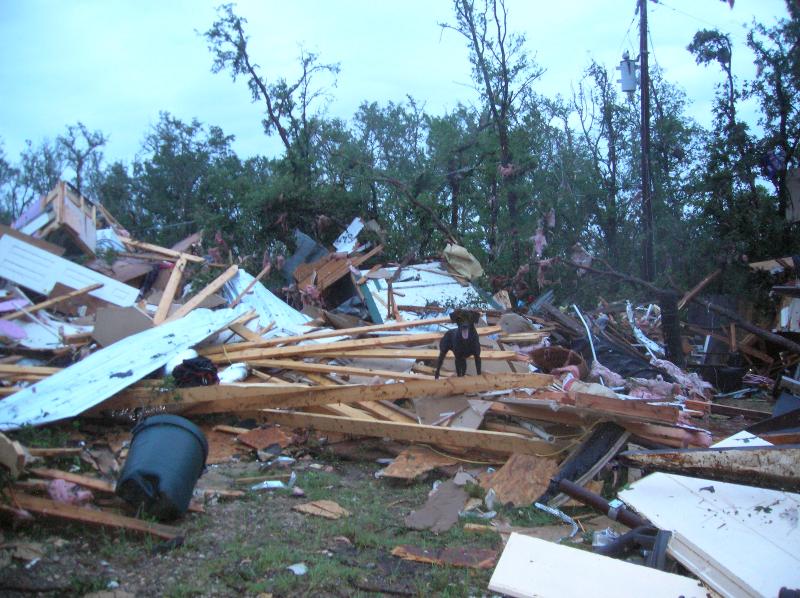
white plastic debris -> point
(298, 568)
(233, 373)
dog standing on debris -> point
(462, 341)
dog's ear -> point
(456, 315)
(473, 317)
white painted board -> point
(531, 567)
(104, 373)
(38, 270)
(741, 540)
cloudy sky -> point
(114, 65)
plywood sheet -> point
(38, 270)
(741, 540)
(108, 371)
(414, 461)
(530, 567)
(522, 479)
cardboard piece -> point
(115, 323)
(440, 512)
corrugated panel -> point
(104, 373)
(38, 270)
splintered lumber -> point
(169, 291)
(212, 288)
(357, 331)
(764, 466)
(632, 409)
(678, 437)
(339, 347)
(328, 352)
(230, 398)
(53, 301)
(697, 288)
(27, 370)
(264, 271)
(532, 567)
(323, 368)
(453, 556)
(497, 442)
(51, 508)
(163, 251)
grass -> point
(245, 547)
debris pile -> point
(563, 398)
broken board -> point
(740, 540)
(530, 567)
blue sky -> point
(115, 64)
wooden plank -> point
(340, 346)
(81, 480)
(244, 332)
(53, 301)
(498, 442)
(231, 397)
(50, 508)
(357, 331)
(380, 411)
(240, 397)
(422, 354)
(739, 539)
(169, 291)
(163, 251)
(530, 567)
(27, 370)
(303, 366)
(764, 466)
(250, 286)
(210, 289)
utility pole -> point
(647, 207)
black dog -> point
(462, 341)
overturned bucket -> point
(165, 459)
